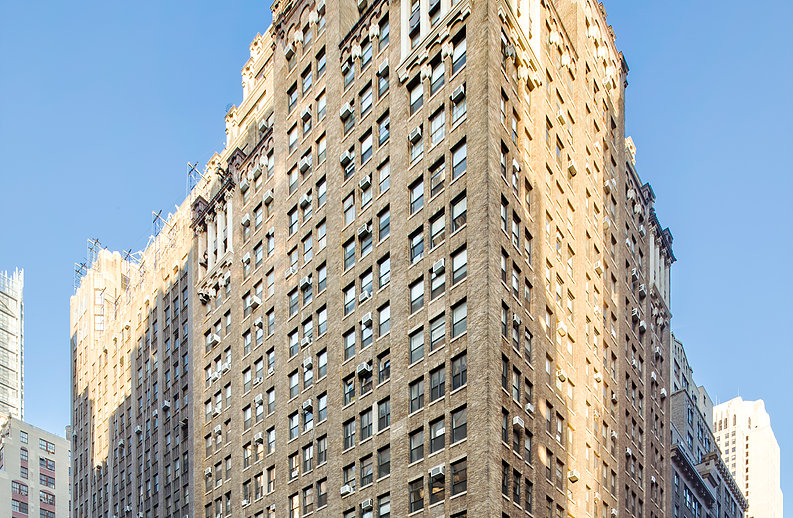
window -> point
(459, 425)
(459, 318)
(382, 40)
(437, 383)
(367, 471)
(459, 107)
(383, 462)
(438, 76)
(458, 54)
(291, 95)
(437, 127)
(459, 209)
(383, 129)
(459, 265)
(416, 143)
(348, 206)
(349, 390)
(459, 476)
(416, 346)
(382, 83)
(349, 434)
(366, 100)
(366, 423)
(437, 435)
(416, 395)
(437, 332)
(417, 245)
(459, 159)
(384, 320)
(322, 106)
(306, 80)
(437, 283)
(321, 62)
(384, 271)
(416, 442)
(349, 344)
(416, 95)
(437, 177)
(384, 224)
(384, 176)
(417, 295)
(416, 492)
(384, 368)
(384, 414)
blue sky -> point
(103, 103)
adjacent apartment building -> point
(34, 471)
(750, 450)
(131, 353)
(700, 484)
(429, 279)
(12, 341)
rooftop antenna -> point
(193, 177)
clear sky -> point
(103, 103)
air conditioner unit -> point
(268, 196)
(346, 489)
(208, 472)
(305, 165)
(663, 393)
(573, 475)
(561, 329)
(383, 69)
(345, 67)
(346, 111)
(653, 376)
(517, 422)
(415, 134)
(127, 509)
(308, 362)
(642, 290)
(257, 171)
(306, 113)
(606, 223)
(138, 430)
(642, 326)
(598, 268)
(259, 437)
(613, 512)
(218, 430)
(614, 434)
(515, 318)
(121, 443)
(637, 208)
(628, 452)
(258, 399)
(597, 496)
(246, 259)
(258, 322)
(307, 404)
(437, 471)
(658, 351)
(560, 116)
(346, 157)
(367, 319)
(290, 271)
(515, 165)
(305, 200)
(458, 93)
(363, 369)
(263, 125)
(226, 278)
(367, 505)
(364, 230)
(166, 404)
(642, 230)
(245, 502)
(628, 242)
(289, 51)
(256, 301)
(530, 408)
(598, 377)
(365, 294)
(365, 182)
(306, 340)
(572, 169)
(305, 281)
(652, 479)
(561, 374)
(631, 194)
(609, 185)
(634, 273)
(258, 380)
(614, 397)
(634, 363)
(635, 313)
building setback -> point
(701, 484)
(430, 279)
(34, 471)
(12, 345)
(750, 450)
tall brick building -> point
(430, 280)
